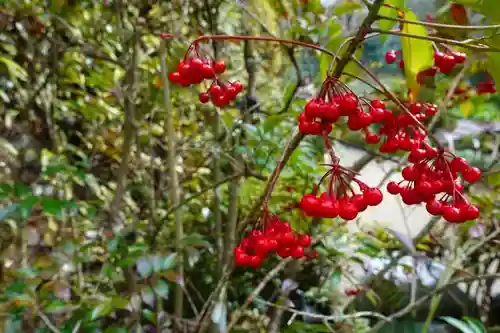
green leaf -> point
(196, 240)
(169, 262)
(390, 12)
(15, 71)
(346, 7)
(27, 204)
(144, 267)
(55, 307)
(119, 302)
(55, 206)
(161, 288)
(270, 123)
(475, 324)
(462, 326)
(102, 310)
(418, 54)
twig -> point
(128, 134)
(437, 39)
(46, 320)
(256, 291)
(431, 294)
(441, 25)
(175, 189)
(334, 318)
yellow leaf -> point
(466, 108)
(418, 54)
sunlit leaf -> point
(15, 70)
(102, 310)
(462, 326)
(418, 54)
(466, 108)
(161, 288)
(391, 10)
(346, 7)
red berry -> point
(328, 208)
(459, 164)
(359, 201)
(238, 86)
(377, 103)
(471, 174)
(297, 252)
(378, 115)
(305, 240)
(204, 97)
(348, 211)
(348, 104)
(451, 214)
(416, 108)
(393, 188)
(459, 57)
(469, 212)
(219, 66)
(390, 57)
(447, 64)
(309, 203)
(458, 13)
(215, 91)
(372, 138)
(174, 77)
(434, 207)
(255, 261)
(207, 71)
(373, 196)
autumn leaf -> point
(418, 54)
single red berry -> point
(390, 57)
(297, 252)
(348, 211)
(215, 91)
(219, 66)
(352, 291)
(207, 71)
(447, 64)
(451, 214)
(204, 97)
(393, 188)
(416, 107)
(174, 77)
(470, 212)
(434, 207)
(377, 103)
(238, 86)
(431, 111)
(305, 240)
(372, 138)
(373, 196)
(378, 115)
(458, 13)
(471, 174)
(459, 57)
(348, 104)
(459, 164)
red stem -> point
(261, 38)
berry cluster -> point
(401, 131)
(433, 178)
(444, 62)
(336, 100)
(340, 199)
(194, 69)
(486, 87)
(277, 236)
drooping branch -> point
(441, 25)
(483, 48)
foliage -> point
(88, 229)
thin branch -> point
(236, 316)
(431, 294)
(358, 39)
(364, 81)
(174, 181)
(46, 320)
(437, 39)
(441, 25)
(128, 134)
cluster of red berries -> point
(336, 100)
(276, 237)
(194, 69)
(401, 131)
(444, 62)
(433, 178)
(221, 94)
(486, 87)
(340, 200)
